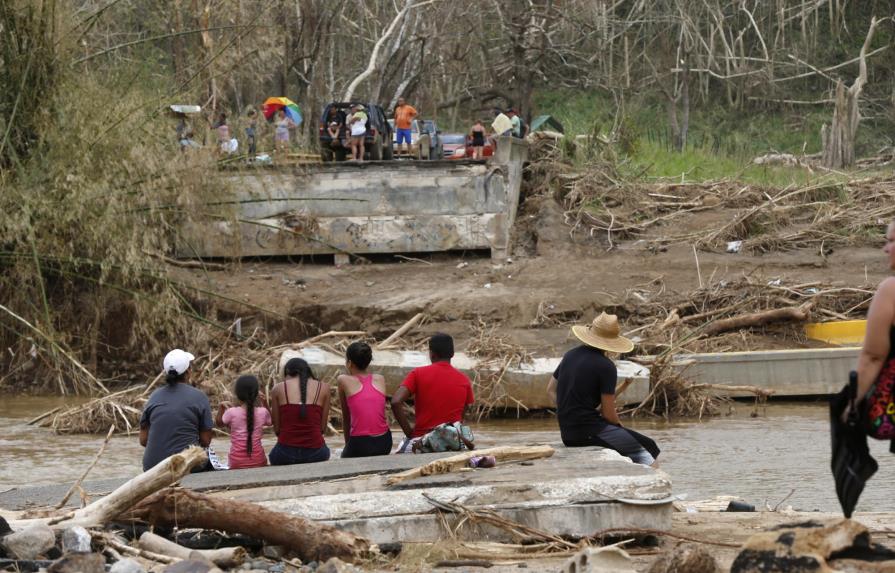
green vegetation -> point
(721, 144)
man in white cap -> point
(584, 380)
(176, 416)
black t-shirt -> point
(583, 376)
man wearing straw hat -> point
(585, 380)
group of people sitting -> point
(178, 415)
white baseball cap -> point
(178, 360)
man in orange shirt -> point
(404, 114)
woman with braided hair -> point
(300, 409)
(246, 422)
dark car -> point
(377, 142)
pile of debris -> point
(728, 315)
(112, 530)
(828, 211)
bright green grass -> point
(656, 162)
(721, 142)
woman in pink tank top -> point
(363, 406)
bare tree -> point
(839, 138)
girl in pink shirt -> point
(246, 423)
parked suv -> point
(378, 140)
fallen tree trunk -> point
(454, 463)
(757, 319)
(186, 508)
(101, 512)
(226, 557)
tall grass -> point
(88, 164)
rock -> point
(79, 563)
(189, 566)
(277, 568)
(685, 558)
(799, 548)
(275, 552)
(599, 560)
(76, 539)
(260, 564)
(127, 566)
(336, 565)
(29, 543)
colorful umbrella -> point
(274, 104)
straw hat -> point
(604, 333)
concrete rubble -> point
(526, 383)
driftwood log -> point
(101, 512)
(454, 463)
(225, 558)
(800, 313)
(186, 508)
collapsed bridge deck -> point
(365, 208)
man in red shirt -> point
(441, 393)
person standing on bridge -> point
(441, 393)
(404, 116)
(585, 380)
(357, 124)
(477, 140)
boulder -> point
(685, 559)
(79, 562)
(29, 543)
(127, 566)
(799, 548)
(76, 539)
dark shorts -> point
(641, 449)
(283, 455)
(478, 139)
(366, 446)
(403, 136)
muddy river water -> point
(760, 459)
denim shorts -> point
(283, 455)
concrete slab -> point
(803, 372)
(377, 207)
(574, 493)
(526, 383)
(41, 496)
